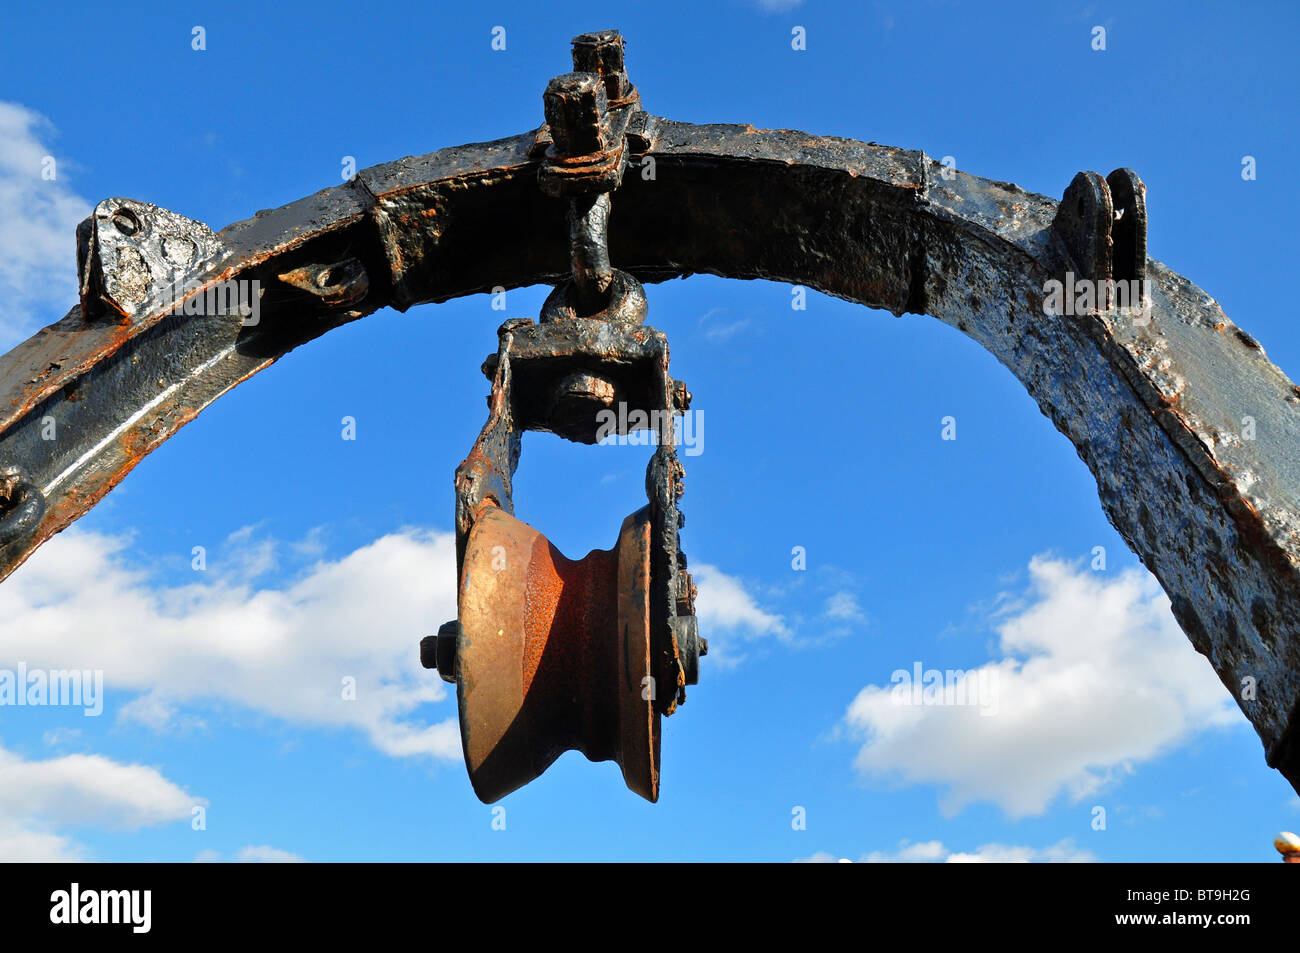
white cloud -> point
(718, 330)
(928, 851)
(20, 844)
(252, 855)
(934, 852)
(156, 713)
(1062, 852)
(728, 615)
(1095, 677)
(38, 222)
(844, 605)
(57, 737)
(266, 855)
(821, 857)
(38, 799)
(725, 332)
(283, 651)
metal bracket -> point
(573, 378)
(130, 252)
(1102, 224)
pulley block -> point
(551, 654)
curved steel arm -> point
(1157, 410)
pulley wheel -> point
(554, 654)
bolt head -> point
(681, 396)
(429, 651)
(687, 634)
(577, 110)
(603, 53)
(576, 402)
(442, 649)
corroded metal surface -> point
(128, 251)
(1157, 409)
(553, 655)
(558, 376)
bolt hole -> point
(124, 221)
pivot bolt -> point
(602, 53)
(577, 110)
(439, 651)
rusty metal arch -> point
(1156, 411)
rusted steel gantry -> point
(1190, 431)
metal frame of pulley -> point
(558, 376)
(531, 634)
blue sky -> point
(222, 686)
